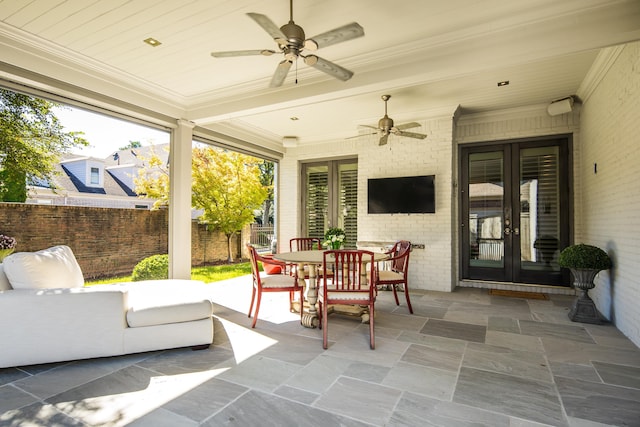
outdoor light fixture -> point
(290, 141)
(560, 106)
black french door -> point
(515, 211)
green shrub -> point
(151, 268)
(584, 256)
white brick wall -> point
(611, 199)
(430, 268)
(605, 131)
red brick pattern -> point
(106, 242)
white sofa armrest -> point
(46, 325)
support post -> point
(180, 201)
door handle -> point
(516, 231)
(507, 231)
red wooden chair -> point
(304, 244)
(270, 283)
(396, 274)
(345, 281)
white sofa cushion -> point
(4, 281)
(55, 267)
(173, 313)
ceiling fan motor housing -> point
(385, 124)
(295, 40)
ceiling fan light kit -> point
(292, 40)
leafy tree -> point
(131, 144)
(225, 185)
(31, 141)
(153, 180)
(266, 179)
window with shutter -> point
(330, 199)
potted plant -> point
(585, 262)
(334, 238)
(7, 246)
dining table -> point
(312, 259)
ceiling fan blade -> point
(408, 125)
(369, 127)
(281, 73)
(328, 67)
(383, 139)
(411, 134)
(268, 25)
(362, 134)
(337, 35)
(231, 53)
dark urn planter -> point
(585, 262)
(584, 309)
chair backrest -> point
(304, 244)
(400, 254)
(348, 270)
(253, 257)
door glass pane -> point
(486, 209)
(348, 202)
(539, 208)
(317, 200)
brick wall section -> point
(106, 242)
(611, 199)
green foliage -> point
(227, 187)
(216, 273)
(131, 144)
(154, 267)
(31, 141)
(153, 180)
(584, 256)
(208, 274)
(13, 185)
(267, 171)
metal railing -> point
(261, 236)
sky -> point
(106, 134)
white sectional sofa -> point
(47, 315)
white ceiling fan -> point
(292, 42)
(386, 127)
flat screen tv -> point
(407, 194)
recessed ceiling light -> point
(503, 83)
(152, 42)
(294, 118)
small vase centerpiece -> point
(7, 246)
(585, 262)
(334, 238)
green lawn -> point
(207, 274)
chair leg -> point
(253, 296)
(406, 294)
(325, 332)
(255, 315)
(372, 335)
(395, 293)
